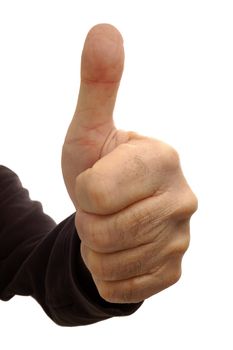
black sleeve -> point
(42, 259)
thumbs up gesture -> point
(133, 202)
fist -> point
(133, 202)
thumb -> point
(101, 70)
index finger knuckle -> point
(168, 156)
(92, 192)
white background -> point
(178, 87)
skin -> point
(133, 202)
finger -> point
(139, 288)
(140, 224)
(101, 70)
(131, 172)
(145, 259)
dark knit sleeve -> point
(41, 259)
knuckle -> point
(105, 291)
(116, 233)
(190, 204)
(175, 277)
(168, 274)
(181, 245)
(174, 272)
(93, 187)
(170, 159)
(193, 202)
(118, 292)
(96, 263)
(101, 238)
(184, 245)
(177, 244)
(97, 193)
(96, 239)
(95, 233)
(186, 205)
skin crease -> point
(133, 202)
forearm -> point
(42, 259)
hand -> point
(134, 204)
